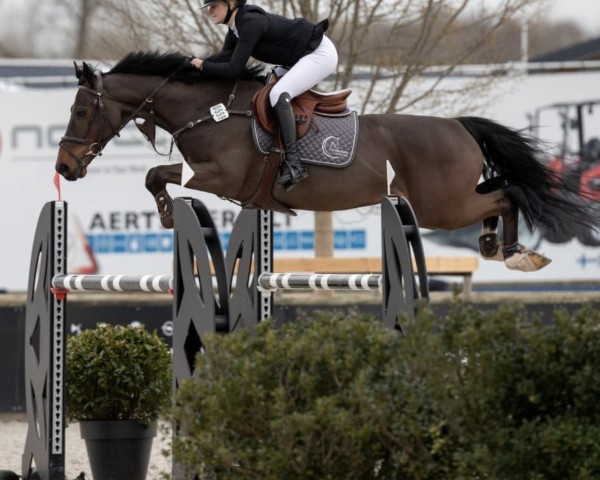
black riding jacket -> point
(265, 36)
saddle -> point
(304, 107)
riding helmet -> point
(208, 2)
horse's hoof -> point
(167, 221)
(489, 248)
(528, 261)
(164, 202)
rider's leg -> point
(306, 73)
(294, 169)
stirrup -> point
(294, 173)
(292, 183)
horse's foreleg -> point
(489, 247)
(156, 182)
(515, 255)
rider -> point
(300, 47)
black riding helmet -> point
(229, 9)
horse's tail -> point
(541, 196)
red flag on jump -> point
(57, 184)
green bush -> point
(117, 373)
(494, 395)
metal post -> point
(196, 308)
(45, 343)
(400, 232)
(249, 253)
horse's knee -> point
(153, 180)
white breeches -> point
(307, 72)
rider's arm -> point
(228, 47)
(250, 33)
(223, 56)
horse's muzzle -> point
(64, 170)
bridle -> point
(218, 113)
(96, 147)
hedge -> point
(472, 395)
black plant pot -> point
(118, 450)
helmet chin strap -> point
(229, 13)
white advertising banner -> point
(115, 229)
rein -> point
(218, 113)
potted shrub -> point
(118, 381)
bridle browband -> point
(95, 148)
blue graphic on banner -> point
(585, 261)
(349, 239)
(131, 242)
(289, 240)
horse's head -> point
(92, 124)
(97, 115)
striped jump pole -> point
(319, 281)
(113, 283)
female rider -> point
(299, 46)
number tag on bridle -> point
(219, 112)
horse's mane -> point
(164, 64)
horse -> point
(438, 163)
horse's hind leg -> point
(515, 255)
(156, 182)
(489, 247)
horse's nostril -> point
(62, 168)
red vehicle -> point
(574, 128)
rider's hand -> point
(197, 62)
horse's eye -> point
(80, 113)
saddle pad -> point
(330, 141)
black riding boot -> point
(292, 170)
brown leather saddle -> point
(304, 107)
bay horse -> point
(437, 162)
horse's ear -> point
(78, 71)
(87, 75)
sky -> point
(584, 12)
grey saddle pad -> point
(329, 142)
